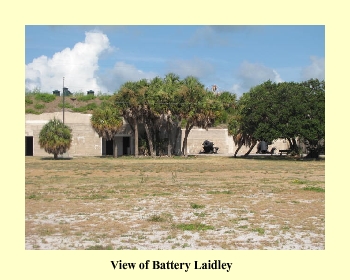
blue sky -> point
(235, 57)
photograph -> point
(175, 137)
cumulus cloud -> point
(316, 70)
(253, 74)
(78, 65)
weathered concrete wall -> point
(221, 139)
(86, 141)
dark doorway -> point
(109, 147)
(126, 145)
(29, 146)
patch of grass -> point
(45, 97)
(314, 189)
(39, 106)
(201, 215)
(219, 192)
(104, 97)
(87, 97)
(88, 107)
(161, 194)
(28, 100)
(285, 228)
(156, 218)
(194, 226)
(32, 111)
(297, 181)
(33, 196)
(260, 231)
(245, 226)
(66, 105)
(94, 196)
(197, 206)
(100, 247)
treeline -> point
(294, 111)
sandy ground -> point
(95, 204)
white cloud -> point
(316, 70)
(78, 65)
(121, 73)
(253, 74)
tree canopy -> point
(294, 111)
(55, 137)
(289, 110)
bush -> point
(104, 97)
(39, 106)
(86, 97)
(45, 97)
(28, 100)
(31, 111)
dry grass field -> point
(194, 203)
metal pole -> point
(63, 99)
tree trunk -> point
(136, 135)
(115, 148)
(55, 156)
(178, 130)
(150, 140)
(169, 132)
(251, 148)
(295, 146)
(240, 144)
(184, 144)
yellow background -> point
(17, 263)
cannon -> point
(208, 147)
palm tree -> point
(131, 100)
(106, 121)
(197, 107)
(55, 137)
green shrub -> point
(31, 111)
(28, 100)
(104, 97)
(39, 106)
(86, 97)
(45, 97)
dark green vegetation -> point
(288, 110)
(55, 137)
(38, 103)
(293, 111)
